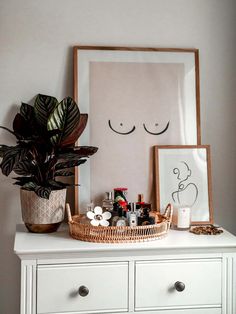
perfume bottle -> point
(90, 207)
(83, 217)
(133, 216)
(145, 219)
(138, 210)
(140, 198)
(120, 194)
(142, 203)
(107, 203)
(120, 220)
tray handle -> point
(168, 212)
(68, 212)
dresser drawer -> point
(185, 311)
(155, 284)
(82, 288)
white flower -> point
(98, 217)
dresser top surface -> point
(61, 242)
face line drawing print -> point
(182, 187)
(132, 130)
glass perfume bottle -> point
(120, 220)
(83, 217)
(133, 219)
(140, 198)
(107, 203)
(120, 194)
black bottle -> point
(145, 219)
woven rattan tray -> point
(86, 232)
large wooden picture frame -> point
(183, 178)
(135, 98)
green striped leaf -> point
(26, 111)
(43, 107)
(63, 173)
(69, 164)
(43, 192)
(85, 150)
(29, 186)
(24, 168)
(22, 180)
(56, 185)
(3, 149)
(11, 159)
(64, 117)
(77, 152)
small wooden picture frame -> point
(183, 178)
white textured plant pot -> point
(40, 214)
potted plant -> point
(45, 151)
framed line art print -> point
(183, 178)
(135, 98)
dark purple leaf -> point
(77, 131)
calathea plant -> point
(45, 149)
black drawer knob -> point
(179, 286)
(83, 291)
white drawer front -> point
(186, 311)
(58, 286)
(155, 284)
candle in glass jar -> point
(183, 218)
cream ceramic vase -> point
(43, 215)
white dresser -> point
(180, 274)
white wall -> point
(36, 39)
